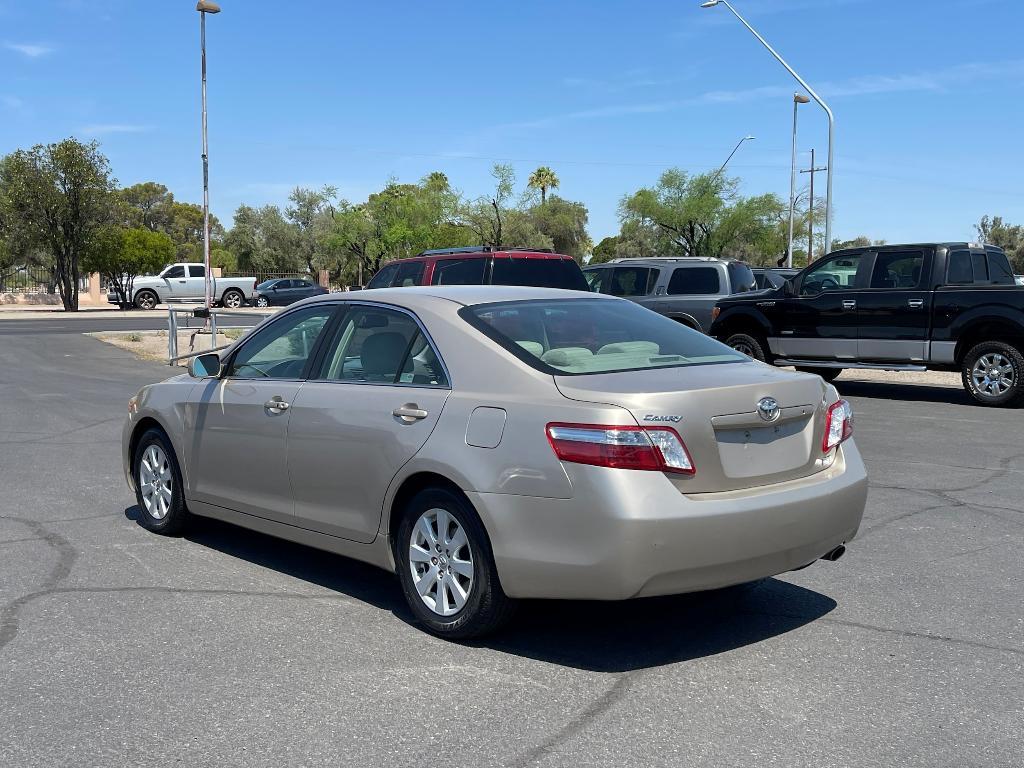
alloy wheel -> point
(156, 482)
(993, 374)
(232, 300)
(146, 301)
(743, 348)
(262, 302)
(441, 562)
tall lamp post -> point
(815, 96)
(734, 149)
(798, 99)
(204, 7)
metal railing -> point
(201, 315)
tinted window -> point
(301, 284)
(459, 272)
(897, 269)
(282, 349)
(178, 271)
(384, 277)
(409, 273)
(695, 281)
(595, 278)
(836, 274)
(540, 273)
(580, 336)
(980, 266)
(999, 271)
(959, 268)
(197, 270)
(629, 281)
(381, 346)
(266, 285)
(741, 277)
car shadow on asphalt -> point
(915, 393)
(589, 635)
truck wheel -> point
(232, 299)
(748, 345)
(828, 374)
(993, 373)
(146, 300)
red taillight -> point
(838, 425)
(658, 449)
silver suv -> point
(684, 288)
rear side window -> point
(959, 268)
(897, 269)
(409, 273)
(694, 281)
(631, 281)
(459, 272)
(384, 277)
(999, 271)
(539, 273)
(196, 270)
(980, 266)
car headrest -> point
(382, 353)
(566, 356)
(630, 347)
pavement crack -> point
(580, 723)
(925, 636)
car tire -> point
(262, 301)
(146, 300)
(828, 374)
(158, 487)
(232, 299)
(467, 567)
(993, 373)
(749, 346)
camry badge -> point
(658, 417)
(768, 409)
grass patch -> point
(133, 337)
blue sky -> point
(928, 96)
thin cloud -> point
(32, 50)
(13, 103)
(104, 129)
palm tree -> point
(543, 179)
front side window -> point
(695, 281)
(837, 274)
(897, 269)
(595, 279)
(593, 335)
(173, 272)
(410, 273)
(381, 346)
(629, 281)
(283, 348)
(459, 272)
(384, 277)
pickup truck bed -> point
(942, 306)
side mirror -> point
(204, 366)
(273, 287)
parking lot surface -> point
(119, 647)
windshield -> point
(582, 336)
(539, 273)
(265, 285)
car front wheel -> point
(447, 569)
(993, 373)
(146, 300)
(158, 487)
(261, 301)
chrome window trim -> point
(349, 305)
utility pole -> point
(810, 212)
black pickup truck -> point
(936, 306)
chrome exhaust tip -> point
(834, 554)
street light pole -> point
(734, 149)
(798, 99)
(204, 7)
(815, 96)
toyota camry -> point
(489, 444)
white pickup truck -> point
(187, 282)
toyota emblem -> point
(768, 409)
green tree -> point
(1010, 237)
(565, 222)
(148, 205)
(310, 213)
(55, 198)
(604, 250)
(263, 240)
(121, 255)
(861, 241)
(543, 179)
(185, 228)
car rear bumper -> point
(633, 534)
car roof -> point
(465, 295)
(455, 253)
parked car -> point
(773, 277)
(685, 289)
(934, 306)
(281, 292)
(482, 265)
(494, 443)
(187, 282)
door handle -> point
(409, 413)
(849, 304)
(915, 303)
(277, 405)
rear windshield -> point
(582, 336)
(540, 273)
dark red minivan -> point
(483, 265)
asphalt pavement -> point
(119, 647)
